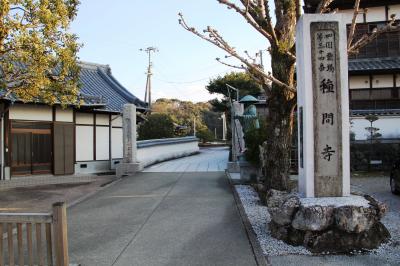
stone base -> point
(334, 225)
(124, 169)
(233, 167)
(248, 173)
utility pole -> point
(147, 95)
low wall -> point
(158, 150)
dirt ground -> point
(41, 198)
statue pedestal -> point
(248, 172)
(329, 224)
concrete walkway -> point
(161, 218)
(208, 160)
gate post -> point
(60, 233)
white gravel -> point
(259, 218)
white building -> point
(42, 139)
(374, 73)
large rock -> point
(336, 225)
(337, 241)
(313, 218)
(354, 219)
(282, 206)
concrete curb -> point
(259, 256)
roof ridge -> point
(93, 66)
(374, 59)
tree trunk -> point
(281, 105)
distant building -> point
(42, 139)
(374, 73)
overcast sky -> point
(113, 32)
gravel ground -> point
(387, 254)
(259, 217)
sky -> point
(113, 32)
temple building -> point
(374, 72)
(41, 139)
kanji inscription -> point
(327, 111)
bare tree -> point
(281, 96)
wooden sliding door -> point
(63, 148)
(31, 148)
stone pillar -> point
(238, 144)
(130, 164)
(323, 106)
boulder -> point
(337, 241)
(355, 219)
(282, 206)
(335, 225)
(313, 218)
(275, 198)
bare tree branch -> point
(353, 23)
(230, 65)
(323, 6)
(366, 39)
(248, 17)
(216, 39)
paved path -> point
(163, 218)
(208, 160)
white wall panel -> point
(116, 121)
(64, 115)
(84, 143)
(382, 81)
(31, 112)
(102, 143)
(102, 119)
(388, 127)
(359, 82)
(398, 81)
(84, 118)
(348, 16)
(376, 14)
(116, 143)
(394, 9)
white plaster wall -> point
(158, 153)
(102, 147)
(359, 82)
(389, 127)
(348, 16)
(116, 121)
(84, 143)
(64, 115)
(382, 81)
(394, 9)
(31, 112)
(102, 119)
(116, 143)
(84, 118)
(376, 14)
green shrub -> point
(205, 135)
(253, 139)
(157, 126)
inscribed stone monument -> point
(323, 106)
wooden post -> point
(60, 233)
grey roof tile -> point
(97, 80)
(374, 64)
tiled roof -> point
(99, 90)
(382, 112)
(97, 80)
(388, 64)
